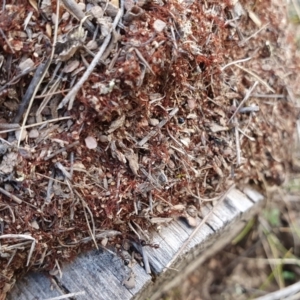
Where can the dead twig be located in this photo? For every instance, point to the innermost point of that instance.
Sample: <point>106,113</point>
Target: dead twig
<point>73,8</point>
<point>7,41</point>
<point>38,76</point>
<point>67,296</point>
<point>22,236</point>
<point>14,126</point>
<point>13,197</point>
<point>257,78</point>
<point>32,89</point>
<point>235,62</point>
<point>86,207</point>
<point>72,94</point>
<point>159,126</point>
<point>244,100</point>
<point>62,150</point>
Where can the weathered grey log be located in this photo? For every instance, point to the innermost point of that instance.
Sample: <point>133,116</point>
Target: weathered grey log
<point>100,274</point>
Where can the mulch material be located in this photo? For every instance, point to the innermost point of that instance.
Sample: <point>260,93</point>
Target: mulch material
<point>114,120</point>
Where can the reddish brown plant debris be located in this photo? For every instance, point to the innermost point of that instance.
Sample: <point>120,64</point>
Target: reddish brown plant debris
<point>160,107</point>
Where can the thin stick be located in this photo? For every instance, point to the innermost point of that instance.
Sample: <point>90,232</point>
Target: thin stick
<point>8,194</point>
<point>62,150</point>
<point>160,125</point>
<point>43,68</point>
<point>71,95</point>
<point>13,80</point>
<point>246,135</point>
<point>59,166</point>
<point>13,126</point>
<point>7,41</point>
<point>85,207</point>
<point>235,62</point>
<point>105,234</point>
<point>141,57</point>
<point>195,231</point>
<point>31,90</point>
<point>49,187</point>
<point>244,100</point>
<point>145,260</point>
<point>283,293</point>
<point>237,136</point>
<point>67,296</point>
<point>249,109</point>
<point>238,147</point>
<point>268,96</point>
<point>58,268</point>
<point>32,125</point>
<point>11,211</point>
<point>256,77</point>
<point>51,94</point>
<point>74,9</point>
<point>254,34</point>
<point>22,236</point>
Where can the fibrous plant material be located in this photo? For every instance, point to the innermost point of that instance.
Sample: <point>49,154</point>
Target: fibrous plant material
<point>157,109</point>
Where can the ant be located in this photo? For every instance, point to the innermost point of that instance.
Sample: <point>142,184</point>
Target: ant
<point>144,243</point>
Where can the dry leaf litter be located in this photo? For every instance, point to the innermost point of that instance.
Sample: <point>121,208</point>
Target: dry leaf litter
<point>117,117</point>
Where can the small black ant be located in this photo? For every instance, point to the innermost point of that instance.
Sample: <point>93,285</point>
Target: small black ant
<point>144,243</point>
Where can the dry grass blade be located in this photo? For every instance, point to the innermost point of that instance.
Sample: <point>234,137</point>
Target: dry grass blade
<point>13,197</point>
<point>40,75</point>
<point>85,207</point>
<point>257,78</point>
<point>75,10</point>
<point>235,62</point>
<point>244,100</point>
<point>160,125</point>
<point>81,293</point>
<point>284,293</point>
<point>72,94</point>
<point>22,236</point>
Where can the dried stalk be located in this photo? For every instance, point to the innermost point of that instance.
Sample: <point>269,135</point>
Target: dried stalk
<point>11,211</point>
<point>22,236</point>
<point>7,41</point>
<point>13,197</point>
<point>257,78</point>
<point>38,78</point>
<point>67,296</point>
<point>235,62</point>
<point>244,100</point>
<point>73,8</point>
<point>31,125</point>
<point>72,94</point>
<point>62,150</point>
<point>85,207</point>
<point>159,126</point>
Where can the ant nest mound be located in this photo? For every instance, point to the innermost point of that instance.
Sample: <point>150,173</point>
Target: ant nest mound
<point>116,117</point>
